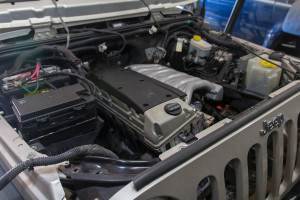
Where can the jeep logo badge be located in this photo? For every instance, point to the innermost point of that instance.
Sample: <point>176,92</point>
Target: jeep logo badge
<point>270,125</point>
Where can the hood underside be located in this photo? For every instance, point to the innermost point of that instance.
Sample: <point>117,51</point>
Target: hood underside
<point>28,14</point>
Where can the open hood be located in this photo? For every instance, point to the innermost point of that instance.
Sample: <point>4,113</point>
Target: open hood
<point>32,13</point>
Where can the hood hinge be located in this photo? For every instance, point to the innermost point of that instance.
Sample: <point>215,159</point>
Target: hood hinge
<point>42,28</point>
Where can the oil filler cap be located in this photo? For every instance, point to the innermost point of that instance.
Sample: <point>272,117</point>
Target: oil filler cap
<point>173,109</point>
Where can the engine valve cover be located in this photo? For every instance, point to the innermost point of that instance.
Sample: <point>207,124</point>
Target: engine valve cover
<point>152,109</point>
<point>180,80</point>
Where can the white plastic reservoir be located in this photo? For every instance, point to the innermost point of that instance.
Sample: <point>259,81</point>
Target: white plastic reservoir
<point>262,77</point>
<point>199,45</point>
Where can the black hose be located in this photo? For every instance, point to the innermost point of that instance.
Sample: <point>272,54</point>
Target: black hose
<point>180,25</point>
<point>45,161</point>
<point>85,49</point>
<point>175,36</point>
<point>99,39</point>
<point>40,52</point>
<point>213,39</point>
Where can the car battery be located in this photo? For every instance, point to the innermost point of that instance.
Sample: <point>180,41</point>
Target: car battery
<point>56,115</point>
<point>13,91</point>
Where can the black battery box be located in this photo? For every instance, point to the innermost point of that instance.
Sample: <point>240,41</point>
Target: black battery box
<point>56,115</point>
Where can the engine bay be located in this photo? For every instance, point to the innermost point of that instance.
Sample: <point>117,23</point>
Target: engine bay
<point>137,92</point>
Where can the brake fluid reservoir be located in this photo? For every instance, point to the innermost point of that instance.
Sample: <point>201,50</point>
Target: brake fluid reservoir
<point>262,76</point>
<point>201,47</point>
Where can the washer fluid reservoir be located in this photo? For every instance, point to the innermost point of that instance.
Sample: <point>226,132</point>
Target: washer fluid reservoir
<point>262,77</point>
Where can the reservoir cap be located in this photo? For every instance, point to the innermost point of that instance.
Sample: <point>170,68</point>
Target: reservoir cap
<point>267,64</point>
<point>197,37</point>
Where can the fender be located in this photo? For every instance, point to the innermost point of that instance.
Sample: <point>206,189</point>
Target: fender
<point>272,34</point>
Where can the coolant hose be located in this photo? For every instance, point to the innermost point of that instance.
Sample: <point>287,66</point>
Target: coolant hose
<point>84,150</point>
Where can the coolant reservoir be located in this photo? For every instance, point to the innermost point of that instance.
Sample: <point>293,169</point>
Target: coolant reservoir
<point>262,76</point>
<point>201,47</point>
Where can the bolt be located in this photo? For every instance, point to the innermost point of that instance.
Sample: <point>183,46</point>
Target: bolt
<point>30,155</point>
<point>34,147</point>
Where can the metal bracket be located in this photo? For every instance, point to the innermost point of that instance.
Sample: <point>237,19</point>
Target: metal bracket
<point>43,28</point>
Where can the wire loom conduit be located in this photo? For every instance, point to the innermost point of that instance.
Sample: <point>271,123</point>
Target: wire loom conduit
<point>84,150</point>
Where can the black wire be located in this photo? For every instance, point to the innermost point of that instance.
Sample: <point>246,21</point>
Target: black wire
<point>106,32</point>
<point>91,149</point>
<point>45,80</point>
<point>151,14</point>
<point>91,85</point>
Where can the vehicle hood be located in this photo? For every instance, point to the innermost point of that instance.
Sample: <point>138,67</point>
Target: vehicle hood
<point>26,14</point>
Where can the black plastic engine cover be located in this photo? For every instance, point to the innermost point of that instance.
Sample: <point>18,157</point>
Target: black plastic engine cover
<point>136,90</point>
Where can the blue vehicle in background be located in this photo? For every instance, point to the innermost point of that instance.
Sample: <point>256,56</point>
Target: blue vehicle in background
<point>271,23</point>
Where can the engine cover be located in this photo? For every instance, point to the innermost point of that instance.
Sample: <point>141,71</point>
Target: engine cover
<point>180,80</point>
<point>151,108</point>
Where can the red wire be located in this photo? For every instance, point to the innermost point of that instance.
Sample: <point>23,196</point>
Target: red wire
<point>36,72</point>
<point>26,73</point>
<point>37,64</point>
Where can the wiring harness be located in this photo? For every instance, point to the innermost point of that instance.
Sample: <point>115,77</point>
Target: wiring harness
<point>84,150</point>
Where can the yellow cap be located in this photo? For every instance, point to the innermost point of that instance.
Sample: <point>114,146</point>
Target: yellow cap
<point>267,64</point>
<point>197,37</point>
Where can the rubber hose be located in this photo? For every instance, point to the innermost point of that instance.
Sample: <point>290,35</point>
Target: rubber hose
<point>85,49</point>
<point>45,161</point>
<point>175,35</point>
<point>180,24</point>
<point>210,38</point>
